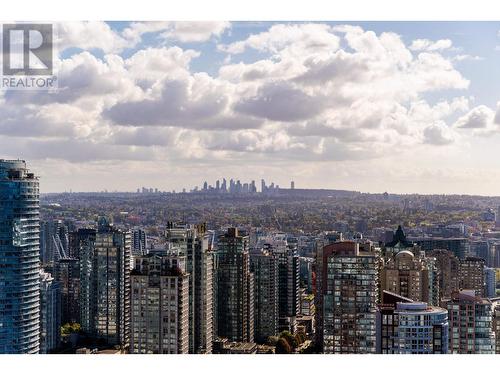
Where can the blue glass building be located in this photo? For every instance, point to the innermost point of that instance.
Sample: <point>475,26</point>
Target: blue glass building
<point>19,259</point>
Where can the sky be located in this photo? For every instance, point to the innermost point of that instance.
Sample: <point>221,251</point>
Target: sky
<point>402,107</point>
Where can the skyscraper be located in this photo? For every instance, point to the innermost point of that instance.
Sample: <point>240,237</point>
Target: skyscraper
<point>194,243</point>
<point>471,274</point>
<point>50,313</point>
<point>448,266</point>
<point>409,327</point>
<point>411,277</point>
<point>19,259</point>
<point>139,242</point>
<point>105,285</point>
<point>347,298</point>
<point>471,324</point>
<point>265,267</point>
<point>159,322</point>
<point>288,280</point>
<point>53,241</point>
<point>235,289</point>
<point>67,274</point>
<point>490,283</point>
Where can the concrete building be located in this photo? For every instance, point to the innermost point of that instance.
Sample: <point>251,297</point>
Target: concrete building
<point>67,274</point>
<point>490,283</point>
<point>448,266</point>
<point>265,268</point>
<point>195,243</point>
<point>50,313</point>
<point>159,322</point>
<point>235,288</point>
<point>470,319</point>
<point>54,241</point>
<point>288,280</point>
<point>347,297</point>
<point>459,246</point>
<point>411,277</point>
<point>471,274</point>
<point>19,259</point>
<point>105,285</point>
<point>408,327</point>
<point>139,242</point>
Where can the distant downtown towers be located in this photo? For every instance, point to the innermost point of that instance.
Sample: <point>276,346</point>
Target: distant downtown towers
<point>19,259</point>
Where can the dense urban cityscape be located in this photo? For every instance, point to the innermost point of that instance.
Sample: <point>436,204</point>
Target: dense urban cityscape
<point>245,268</point>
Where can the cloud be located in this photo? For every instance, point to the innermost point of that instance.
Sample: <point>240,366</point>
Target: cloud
<point>467,58</point>
<point>439,134</point>
<point>312,92</point>
<point>281,102</point>
<point>480,117</point>
<point>429,45</point>
<point>288,39</point>
<point>195,32</point>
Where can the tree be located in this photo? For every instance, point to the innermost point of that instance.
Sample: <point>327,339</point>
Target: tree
<point>292,341</point>
<point>282,347</point>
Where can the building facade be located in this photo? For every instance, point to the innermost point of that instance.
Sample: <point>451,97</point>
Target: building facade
<point>105,285</point>
<point>235,288</point>
<point>471,274</point>
<point>159,320</point>
<point>19,259</point>
<point>471,324</point>
<point>265,268</point>
<point>347,298</point>
<point>411,277</point>
<point>408,327</point>
<point>195,243</point>
<point>50,313</point>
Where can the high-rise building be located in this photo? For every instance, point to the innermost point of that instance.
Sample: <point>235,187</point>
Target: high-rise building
<point>458,246</point>
<point>159,322</point>
<point>490,283</point>
<point>292,185</point>
<point>194,242</point>
<point>67,274</point>
<point>83,238</point>
<point>105,285</point>
<point>265,268</point>
<point>288,280</point>
<point>496,322</point>
<point>408,327</point>
<point>54,241</point>
<point>50,313</point>
<point>411,277</point>
<point>139,242</point>
<point>448,266</point>
<point>235,288</point>
<point>471,324</point>
<point>347,297</point>
<point>19,259</point>
<point>482,249</point>
<point>471,274</point>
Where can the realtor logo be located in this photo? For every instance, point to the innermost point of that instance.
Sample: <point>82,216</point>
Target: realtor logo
<point>27,57</point>
<point>27,49</point>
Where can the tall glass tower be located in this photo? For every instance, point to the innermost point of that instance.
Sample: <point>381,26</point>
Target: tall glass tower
<point>19,259</point>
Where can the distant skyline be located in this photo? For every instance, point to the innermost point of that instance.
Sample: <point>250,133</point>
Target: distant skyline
<point>403,107</point>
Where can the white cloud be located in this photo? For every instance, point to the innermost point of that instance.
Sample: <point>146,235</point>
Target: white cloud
<point>480,117</point>
<point>195,32</point>
<point>429,45</point>
<point>439,134</point>
<point>312,93</point>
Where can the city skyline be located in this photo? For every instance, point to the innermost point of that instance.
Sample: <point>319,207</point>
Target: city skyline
<point>364,106</point>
